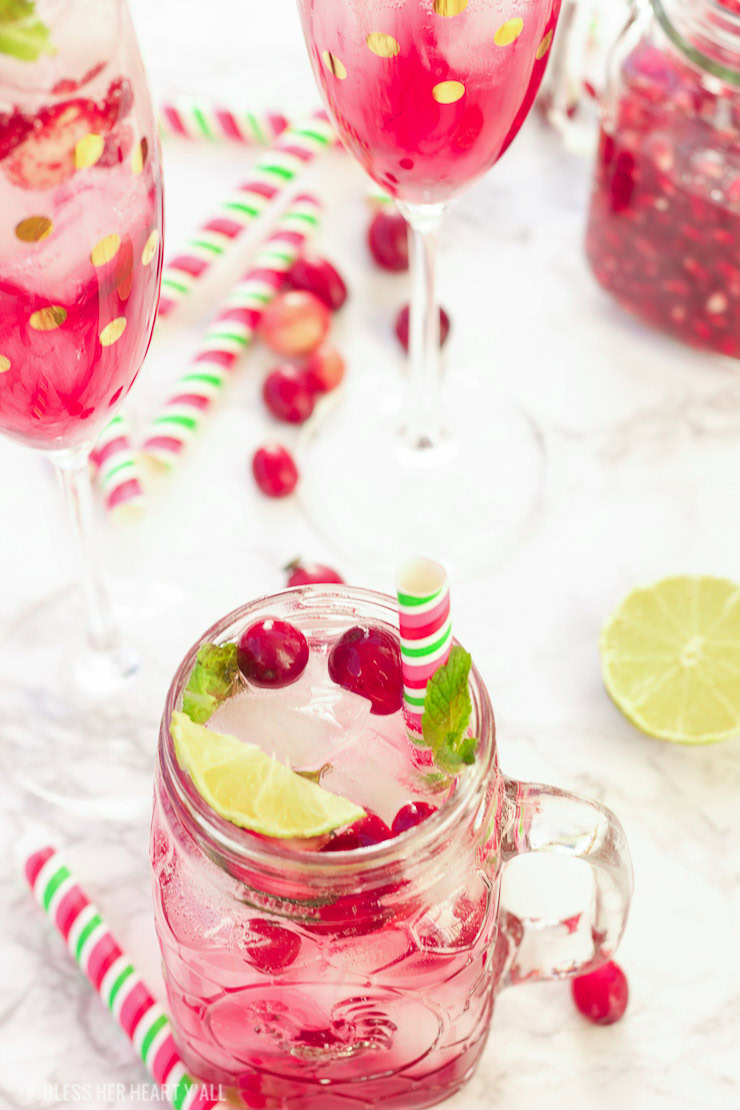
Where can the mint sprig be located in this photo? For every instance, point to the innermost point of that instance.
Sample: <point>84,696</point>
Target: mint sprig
<point>446,716</point>
<point>22,35</point>
<point>211,681</point>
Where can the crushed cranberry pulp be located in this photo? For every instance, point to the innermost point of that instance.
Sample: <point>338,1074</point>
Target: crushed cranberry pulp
<point>664,228</point>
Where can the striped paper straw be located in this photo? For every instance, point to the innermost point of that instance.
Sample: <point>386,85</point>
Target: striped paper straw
<point>272,174</point>
<point>117,469</point>
<point>182,415</point>
<point>425,631</point>
<point>189,118</point>
<point>98,955</point>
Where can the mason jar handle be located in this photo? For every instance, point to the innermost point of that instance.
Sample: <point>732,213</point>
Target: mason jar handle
<point>543,819</point>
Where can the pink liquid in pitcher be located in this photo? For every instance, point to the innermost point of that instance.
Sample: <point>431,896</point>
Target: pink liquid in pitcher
<point>428,101</point>
<point>80,240</point>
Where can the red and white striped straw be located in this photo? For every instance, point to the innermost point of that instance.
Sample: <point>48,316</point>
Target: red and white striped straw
<point>425,631</point>
<point>117,469</point>
<point>182,415</point>
<point>190,118</point>
<point>273,172</point>
<point>109,970</point>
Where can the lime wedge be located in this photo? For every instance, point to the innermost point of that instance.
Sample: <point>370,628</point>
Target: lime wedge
<point>670,657</point>
<point>245,786</point>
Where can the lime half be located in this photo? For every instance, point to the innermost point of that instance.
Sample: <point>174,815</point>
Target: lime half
<point>245,786</point>
<point>670,657</point>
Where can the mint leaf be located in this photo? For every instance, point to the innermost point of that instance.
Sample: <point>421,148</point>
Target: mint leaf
<point>211,681</point>
<point>22,35</point>
<point>447,709</point>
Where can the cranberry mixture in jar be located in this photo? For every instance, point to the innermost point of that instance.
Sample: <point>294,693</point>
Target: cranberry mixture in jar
<point>664,227</point>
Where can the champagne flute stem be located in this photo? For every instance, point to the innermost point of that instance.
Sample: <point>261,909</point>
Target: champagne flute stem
<point>73,472</point>
<point>423,429</point>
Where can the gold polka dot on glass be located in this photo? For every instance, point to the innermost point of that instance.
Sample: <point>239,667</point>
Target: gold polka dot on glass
<point>544,46</point>
<point>113,331</point>
<point>385,46</point>
<point>49,318</point>
<point>447,92</point>
<point>88,150</point>
<point>33,229</point>
<point>139,156</point>
<point>105,250</point>
<point>334,65</point>
<point>4,364</point>
<point>150,248</point>
<point>509,32</point>
<point>449,7</point>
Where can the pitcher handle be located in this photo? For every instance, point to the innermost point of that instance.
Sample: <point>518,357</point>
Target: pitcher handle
<point>543,819</point>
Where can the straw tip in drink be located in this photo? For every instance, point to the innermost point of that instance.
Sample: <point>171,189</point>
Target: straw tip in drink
<point>420,577</point>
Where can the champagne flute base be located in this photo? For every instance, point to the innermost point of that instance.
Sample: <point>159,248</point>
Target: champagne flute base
<point>468,499</point>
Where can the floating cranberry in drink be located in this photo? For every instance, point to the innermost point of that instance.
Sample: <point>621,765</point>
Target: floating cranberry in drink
<point>367,661</point>
<point>664,226</point>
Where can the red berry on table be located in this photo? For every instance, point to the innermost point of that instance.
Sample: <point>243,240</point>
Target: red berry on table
<point>402,327</point>
<point>324,370</point>
<point>274,470</point>
<point>367,661</point>
<point>304,574</point>
<point>413,813</point>
<point>272,653</point>
<point>368,830</point>
<point>287,394</point>
<point>294,323</point>
<point>388,240</point>
<point>318,276</point>
<point>602,995</point>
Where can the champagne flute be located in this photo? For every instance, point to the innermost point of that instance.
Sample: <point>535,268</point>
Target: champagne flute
<point>427,95</point>
<point>81,257</point>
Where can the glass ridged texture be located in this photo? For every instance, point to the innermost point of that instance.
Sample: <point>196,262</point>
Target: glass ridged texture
<point>301,979</point>
<point>664,227</point>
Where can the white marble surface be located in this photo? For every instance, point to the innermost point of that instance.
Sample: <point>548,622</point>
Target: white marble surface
<point>643,455</point>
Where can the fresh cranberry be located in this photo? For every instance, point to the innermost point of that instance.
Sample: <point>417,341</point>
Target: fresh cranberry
<point>303,574</point>
<point>119,100</point>
<point>402,327</point>
<point>117,146</point>
<point>602,995</point>
<point>324,370</point>
<point>319,277</point>
<point>388,240</point>
<point>294,323</point>
<point>287,396</point>
<point>274,470</point>
<point>413,813</point>
<point>273,947</point>
<point>272,653</point>
<point>367,661</point>
<point>46,155</point>
<point>365,832</point>
<point>14,127</point>
<point>67,85</point>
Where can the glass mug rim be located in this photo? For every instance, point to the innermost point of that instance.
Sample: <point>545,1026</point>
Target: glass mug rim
<point>217,834</point>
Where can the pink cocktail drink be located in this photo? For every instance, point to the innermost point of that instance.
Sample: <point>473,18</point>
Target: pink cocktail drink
<point>80,240</point>
<point>358,967</point>
<point>428,95</point>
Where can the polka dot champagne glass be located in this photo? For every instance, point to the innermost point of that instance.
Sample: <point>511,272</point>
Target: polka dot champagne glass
<point>80,264</point>
<point>427,95</point>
